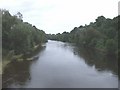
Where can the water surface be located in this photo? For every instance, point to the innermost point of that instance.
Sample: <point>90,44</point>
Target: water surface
<point>63,65</point>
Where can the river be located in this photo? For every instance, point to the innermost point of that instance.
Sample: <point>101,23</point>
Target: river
<point>62,65</point>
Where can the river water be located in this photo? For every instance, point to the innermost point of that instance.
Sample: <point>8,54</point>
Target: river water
<point>62,65</point>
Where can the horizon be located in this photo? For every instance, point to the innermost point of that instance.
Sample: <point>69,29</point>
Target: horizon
<point>58,16</point>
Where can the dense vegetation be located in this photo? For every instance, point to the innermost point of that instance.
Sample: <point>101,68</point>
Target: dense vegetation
<point>101,34</point>
<point>18,36</point>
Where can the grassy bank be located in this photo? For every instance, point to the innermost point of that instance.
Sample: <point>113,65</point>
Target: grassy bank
<point>10,56</point>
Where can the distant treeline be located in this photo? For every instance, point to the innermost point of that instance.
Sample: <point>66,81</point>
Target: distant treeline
<point>18,36</point>
<point>21,37</point>
<point>101,34</point>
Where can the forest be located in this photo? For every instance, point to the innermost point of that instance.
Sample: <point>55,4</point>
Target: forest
<point>19,38</point>
<point>86,54</point>
<point>22,37</point>
<point>101,35</point>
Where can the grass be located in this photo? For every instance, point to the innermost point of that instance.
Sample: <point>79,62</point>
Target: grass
<point>10,56</point>
<point>6,60</point>
<point>4,64</point>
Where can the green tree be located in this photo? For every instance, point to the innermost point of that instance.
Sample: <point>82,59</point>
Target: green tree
<point>111,46</point>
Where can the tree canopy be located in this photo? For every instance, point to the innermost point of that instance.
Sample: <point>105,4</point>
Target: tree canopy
<point>19,36</point>
<point>101,34</point>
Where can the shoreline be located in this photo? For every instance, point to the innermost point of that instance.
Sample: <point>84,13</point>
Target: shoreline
<point>21,57</point>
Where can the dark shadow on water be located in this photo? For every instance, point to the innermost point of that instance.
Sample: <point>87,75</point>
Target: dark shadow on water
<point>99,60</point>
<point>93,57</point>
<point>18,72</point>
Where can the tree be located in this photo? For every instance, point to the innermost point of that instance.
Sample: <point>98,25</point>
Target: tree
<point>111,46</point>
<point>18,35</point>
<point>101,34</point>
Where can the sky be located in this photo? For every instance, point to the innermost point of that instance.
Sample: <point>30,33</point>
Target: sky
<point>57,16</point>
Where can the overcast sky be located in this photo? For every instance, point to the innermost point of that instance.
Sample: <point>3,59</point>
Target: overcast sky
<point>57,16</point>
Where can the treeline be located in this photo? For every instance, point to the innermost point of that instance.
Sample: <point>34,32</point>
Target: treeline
<point>101,34</point>
<point>18,36</point>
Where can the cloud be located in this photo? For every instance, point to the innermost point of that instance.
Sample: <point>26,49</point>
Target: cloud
<point>55,16</point>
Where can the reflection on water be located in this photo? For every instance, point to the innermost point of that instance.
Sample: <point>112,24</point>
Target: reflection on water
<point>99,60</point>
<point>18,72</point>
<point>63,65</point>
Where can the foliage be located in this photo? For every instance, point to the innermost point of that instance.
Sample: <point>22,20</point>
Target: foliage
<point>101,34</point>
<point>19,36</point>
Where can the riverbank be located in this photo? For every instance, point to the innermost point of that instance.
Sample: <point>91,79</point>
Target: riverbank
<point>21,57</point>
<point>62,65</point>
